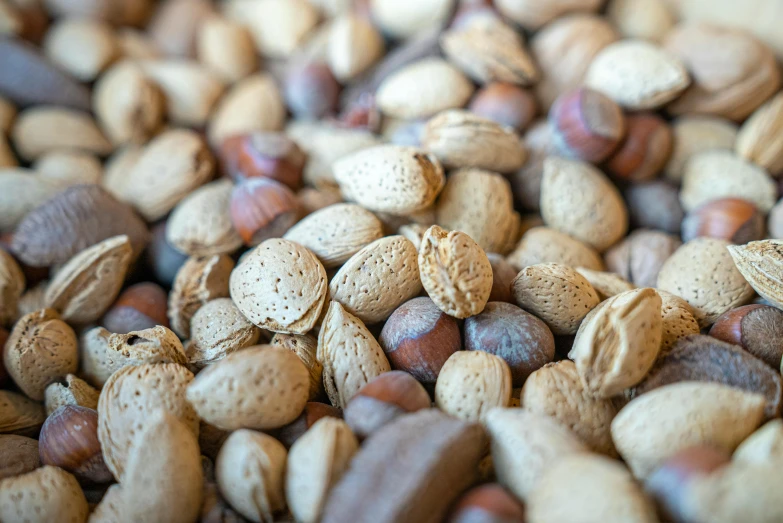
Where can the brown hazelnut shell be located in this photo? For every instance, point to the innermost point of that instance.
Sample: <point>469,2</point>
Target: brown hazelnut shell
<point>731,219</point>
<point>489,503</point>
<point>645,149</point>
<point>261,154</point>
<point>139,307</point>
<point>756,328</point>
<point>262,208</point>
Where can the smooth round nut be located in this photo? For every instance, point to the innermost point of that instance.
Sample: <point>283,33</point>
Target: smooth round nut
<point>471,384</point>
<point>655,205</point>
<point>263,154</point>
<point>261,209</point>
<point>311,91</point>
<point>489,502</point>
<point>645,149</point>
<point>506,104</point>
<point>756,328</point>
<point>731,219</point>
<point>140,306</point>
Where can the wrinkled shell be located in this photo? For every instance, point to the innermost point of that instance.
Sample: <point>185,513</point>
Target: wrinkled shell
<point>217,330</point>
<point>548,245</point>
<point>12,285</point>
<point>45,494</point>
<point>42,129</point>
<point>606,284</point>
<point>759,138</point>
<point>306,348</point>
<point>198,281</point>
<point>471,383</point>
<point>20,415</point>
<point>678,321</point>
<point>760,263</point>
<point>72,391</point>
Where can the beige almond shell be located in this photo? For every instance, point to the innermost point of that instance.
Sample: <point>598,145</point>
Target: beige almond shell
<point>378,279</point>
<point>261,387</point>
<point>759,139</point>
<point>305,347</point>
<point>71,391</point>
<point>524,446</point>
<point>547,245</point>
<point>644,19</point>
<point>83,47</point>
<point>337,232</point>
<point>763,446</point>
<point>21,191</point>
<point>693,134</point>
<point>315,463</point>
<point>45,494</point>
<point>404,19</point>
<point>703,273</point>
<point>555,293</point>
<point>278,28</point>
<point>678,321</point>
<point>760,264</point>
<point>533,14</point>
<point>556,390</point>
<point>218,329</point>
<point>198,281</point>
<point>109,510</point>
<point>19,414</point>
<point>390,178</point>
<point>606,284</point>
<point>12,286</point>
<point>250,470</point>
<point>354,45</point>
<point>662,422</point>
<point>471,384</point>
<point>350,355</point>
<point>86,286</point>
<point>127,401</point>
<point>40,349</point>
<point>280,286</point>
<point>68,168</point>
<point>226,47</point>
<point>579,200</point>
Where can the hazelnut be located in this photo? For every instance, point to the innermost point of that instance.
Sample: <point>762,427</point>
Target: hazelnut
<point>383,399</point>
<point>311,91</point>
<point>645,150</point>
<point>731,219</point>
<point>18,455</point>
<point>489,503</point>
<point>586,125</point>
<point>506,104</point>
<point>164,260</point>
<point>141,306</point>
<point>756,328</point>
<point>261,154</point>
<point>418,338</point>
<point>312,412</point>
<point>503,273</point>
<point>69,440</point>
<point>655,205</point>
<point>261,209</point>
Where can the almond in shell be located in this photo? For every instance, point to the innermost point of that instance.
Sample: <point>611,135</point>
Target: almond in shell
<point>760,263</point>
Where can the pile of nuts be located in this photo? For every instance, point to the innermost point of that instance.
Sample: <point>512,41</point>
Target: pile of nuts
<point>384,261</point>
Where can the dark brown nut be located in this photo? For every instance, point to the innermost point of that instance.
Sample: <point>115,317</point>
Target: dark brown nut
<point>18,455</point>
<point>655,205</point>
<point>140,306</point>
<point>262,209</point>
<point>311,91</point>
<point>503,273</point>
<point>65,225</point>
<point>639,257</point>
<point>489,503</point>
<point>384,399</point>
<point>703,358</point>
<point>312,412</point>
<point>645,150</point>
<point>521,339</point>
<point>586,125</point>
<point>20,415</point>
<point>198,281</point>
<point>756,328</point>
<point>267,155</point>
<point>418,338</point>
<point>69,440</point>
<point>419,463</point>
<point>731,219</point>
<point>164,260</point>
<point>506,104</point>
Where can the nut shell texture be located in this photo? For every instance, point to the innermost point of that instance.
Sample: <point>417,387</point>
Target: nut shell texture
<point>217,330</point>
<point>760,263</point>
<point>45,494</point>
<point>198,281</point>
<point>548,245</point>
<point>471,383</point>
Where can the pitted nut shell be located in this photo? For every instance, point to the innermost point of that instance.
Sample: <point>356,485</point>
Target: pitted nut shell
<point>45,494</point>
<point>306,348</point>
<point>760,262</point>
<point>678,321</point>
<point>70,391</point>
<point>217,330</point>
<point>19,414</point>
<point>471,383</point>
<point>548,245</point>
<point>198,281</point>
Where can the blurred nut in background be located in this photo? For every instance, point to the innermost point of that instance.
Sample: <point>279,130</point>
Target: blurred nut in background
<point>730,219</point>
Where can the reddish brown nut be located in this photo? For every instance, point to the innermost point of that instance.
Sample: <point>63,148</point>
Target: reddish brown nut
<point>361,113</point>
<point>141,306</point>
<point>312,412</point>
<point>418,338</point>
<point>311,91</point>
<point>383,399</point>
<point>586,125</point>
<point>731,219</point>
<point>164,260</point>
<point>506,104</point>
<point>268,155</point>
<point>756,328</point>
<point>503,273</point>
<point>261,209</point>
<point>69,440</point>
<point>655,205</point>
<point>489,503</point>
<point>645,150</point>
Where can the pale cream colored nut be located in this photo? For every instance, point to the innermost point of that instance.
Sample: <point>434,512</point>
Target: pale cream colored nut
<point>218,329</point>
<point>21,191</point>
<point>471,384</point>
<point>693,134</point>
<point>422,89</point>
<point>190,88</point>
<point>226,47</point>
<point>280,286</point>
<point>717,174</point>
<point>637,74</point>
<point>252,104</point>
<point>703,273</point>
<point>606,284</point>
<point>306,347</point>
<point>278,28</point>
<point>127,401</point>
<point>589,488</point>
<point>66,168</point>
<point>250,470</point>
<point>556,390</point>
<point>33,299</point>
<point>349,353</point>
<point>40,349</point>
<point>42,129</point>
<point>86,286</point>
<point>378,279</point>
<point>136,45</point>
<point>337,232</point>
<point>555,293</point>
<point>7,157</point>
<point>459,138</point>
<point>532,14</point>
<point>19,414</point>
<point>109,510</point>
<point>616,347</point>
<point>548,245</point>
<point>763,446</point>
<point>198,281</point>
<point>760,263</point>
<point>128,105</point>
<point>660,423</point>
<point>759,140</point>
<point>678,321</point>
<point>81,46</point>
<point>524,446</point>
<point>354,45</point>
<point>200,224</point>
<point>406,18</point>
<point>45,494</point>
<point>315,463</point>
<point>642,19</point>
<point>261,387</point>
<point>70,391</point>
<point>455,272</point>
<point>390,178</point>
<point>12,285</point>
<point>117,167</point>
<point>414,232</point>
<point>579,200</point>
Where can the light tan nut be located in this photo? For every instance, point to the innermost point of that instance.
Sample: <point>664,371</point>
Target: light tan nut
<point>760,263</point>
<point>693,134</point>
<point>19,414</point>
<point>278,28</point>
<point>40,349</point>
<point>315,463</point>
<point>45,494</point>
<point>471,384</point>
<point>406,18</point>
<point>763,446</point>
<point>703,273</point>
<point>18,455</point>
<point>306,347</point>
<point>250,470</point>
<point>21,191</point>
<point>7,157</point>
<point>642,19</point>
<point>70,391</point>
<point>759,139</point>
<point>532,14</point>
<point>606,284</point>
<point>110,508</point>
<point>678,321</point>
<point>118,165</point>
<point>81,46</point>
<point>280,286</point>
<point>198,281</point>
<point>548,245</point>
<point>217,330</point>
<point>349,353</point>
<point>555,293</point>
<point>261,387</point>
<point>658,424</point>
<point>579,200</point>
<point>354,45</point>
<point>226,47</point>
<point>66,168</point>
<point>12,285</point>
